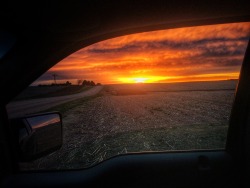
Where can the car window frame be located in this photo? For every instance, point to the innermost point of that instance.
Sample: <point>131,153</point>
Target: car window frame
<point>236,135</point>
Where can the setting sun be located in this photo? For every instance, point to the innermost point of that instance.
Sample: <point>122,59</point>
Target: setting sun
<point>140,80</point>
<point>147,79</point>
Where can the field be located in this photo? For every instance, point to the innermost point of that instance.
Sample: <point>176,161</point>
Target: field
<point>142,118</point>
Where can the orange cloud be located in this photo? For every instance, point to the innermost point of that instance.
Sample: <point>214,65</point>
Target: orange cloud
<point>213,52</point>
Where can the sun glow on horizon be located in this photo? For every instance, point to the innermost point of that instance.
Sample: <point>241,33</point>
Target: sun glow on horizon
<point>146,79</point>
<point>175,79</point>
<point>140,80</point>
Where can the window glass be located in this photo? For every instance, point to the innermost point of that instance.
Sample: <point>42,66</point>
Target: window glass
<point>155,91</point>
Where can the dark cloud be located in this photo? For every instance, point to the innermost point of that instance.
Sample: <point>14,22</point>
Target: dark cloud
<point>123,49</point>
<point>171,45</point>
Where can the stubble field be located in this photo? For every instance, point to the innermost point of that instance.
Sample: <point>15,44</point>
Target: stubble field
<point>143,118</point>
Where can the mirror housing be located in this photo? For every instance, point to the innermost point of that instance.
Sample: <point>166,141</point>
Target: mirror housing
<point>37,135</point>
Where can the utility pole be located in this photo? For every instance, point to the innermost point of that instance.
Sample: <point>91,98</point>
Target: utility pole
<point>54,76</point>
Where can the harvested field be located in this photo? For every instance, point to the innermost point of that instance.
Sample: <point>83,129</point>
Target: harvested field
<point>112,124</point>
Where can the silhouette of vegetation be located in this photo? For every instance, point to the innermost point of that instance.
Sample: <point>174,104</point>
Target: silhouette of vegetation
<point>88,83</point>
<point>79,82</point>
<point>67,83</point>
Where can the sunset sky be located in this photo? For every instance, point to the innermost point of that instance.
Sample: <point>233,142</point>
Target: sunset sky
<point>175,55</point>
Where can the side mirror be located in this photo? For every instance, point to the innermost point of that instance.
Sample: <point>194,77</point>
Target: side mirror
<point>37,135</point>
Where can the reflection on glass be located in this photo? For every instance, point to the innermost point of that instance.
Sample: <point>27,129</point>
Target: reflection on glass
<point>44,120</point>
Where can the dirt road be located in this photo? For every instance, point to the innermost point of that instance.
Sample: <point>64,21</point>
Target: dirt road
<point>20,108</point>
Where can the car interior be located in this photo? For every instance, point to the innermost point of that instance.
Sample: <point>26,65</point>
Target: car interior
<point>34,36</point>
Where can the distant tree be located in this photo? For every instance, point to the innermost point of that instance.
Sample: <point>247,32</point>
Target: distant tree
<point>79,82</point>
<point>88,83</point>
<point>68,83</point>
<point>98,84</point>
<point>84,83</point>
<point>92,83</point>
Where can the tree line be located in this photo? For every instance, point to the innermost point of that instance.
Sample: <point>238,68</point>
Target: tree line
<point>88,83</point>
<point>79,83</point>
<point>56,84</point>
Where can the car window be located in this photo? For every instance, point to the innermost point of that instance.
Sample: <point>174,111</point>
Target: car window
<point>155,91</point>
